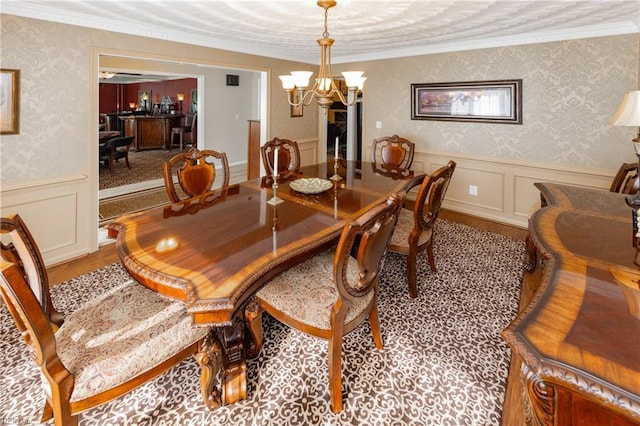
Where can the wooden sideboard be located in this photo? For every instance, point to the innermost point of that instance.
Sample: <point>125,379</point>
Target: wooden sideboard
<point>575,345</point>
<point>150,131</point>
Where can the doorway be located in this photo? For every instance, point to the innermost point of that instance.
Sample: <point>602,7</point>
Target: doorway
<point>215,130</point>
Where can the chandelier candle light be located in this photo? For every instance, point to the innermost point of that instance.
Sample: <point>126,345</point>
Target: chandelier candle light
<point>628,114</point>
<point>325,86</point>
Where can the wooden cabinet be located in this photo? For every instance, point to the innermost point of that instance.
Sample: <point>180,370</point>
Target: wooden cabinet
<point>150,132</point>
<point>253,152</point>
<point>575,344</point>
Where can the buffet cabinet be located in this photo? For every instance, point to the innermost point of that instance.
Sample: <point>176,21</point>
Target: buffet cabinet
<point>150,131</point>
<point>576,340</point>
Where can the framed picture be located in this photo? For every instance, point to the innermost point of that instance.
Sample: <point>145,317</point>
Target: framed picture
<point>496,101</point>
<point>9,102</point>
<point>144,100</point>
<point>296,111</point>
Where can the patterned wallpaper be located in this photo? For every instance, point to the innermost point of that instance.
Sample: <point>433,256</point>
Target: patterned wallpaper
<point>56,79</point>
<point>570,91</point>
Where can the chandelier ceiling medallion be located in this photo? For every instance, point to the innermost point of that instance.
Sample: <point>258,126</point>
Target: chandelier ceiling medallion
<point>324,88</point>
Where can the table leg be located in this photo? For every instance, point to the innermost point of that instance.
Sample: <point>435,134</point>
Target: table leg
<point>224,370</point>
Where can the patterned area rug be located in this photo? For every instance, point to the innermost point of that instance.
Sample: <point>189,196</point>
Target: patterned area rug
<point>443,362</point>
<point>145,165</point>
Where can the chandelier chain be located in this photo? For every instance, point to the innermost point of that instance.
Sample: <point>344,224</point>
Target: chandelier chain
<point>325,34</point>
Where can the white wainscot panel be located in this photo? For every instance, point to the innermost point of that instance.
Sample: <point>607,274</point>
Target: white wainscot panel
<point>52,212</point>
<point>308,151</point>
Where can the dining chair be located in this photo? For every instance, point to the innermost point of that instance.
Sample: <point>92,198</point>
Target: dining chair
<point>197,172</point>
<point>626,179</point>
<point>187,134</point>
<point>107,347</point>
<point>115,149</point>
<point>288,155</point>
<point>332,293</point>
<point>393,151</point>
<point>415,228</point>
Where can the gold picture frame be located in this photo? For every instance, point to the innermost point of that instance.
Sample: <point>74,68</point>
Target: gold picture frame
<point>9,101</point>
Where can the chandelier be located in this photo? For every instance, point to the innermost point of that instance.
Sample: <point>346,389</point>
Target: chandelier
<point>324,88</point>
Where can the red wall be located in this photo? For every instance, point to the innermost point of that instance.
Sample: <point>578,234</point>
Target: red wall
<point>129,93</point>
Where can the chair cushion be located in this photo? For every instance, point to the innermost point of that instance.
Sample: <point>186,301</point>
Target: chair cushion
<point>120,335</point>
<point>306,292</point>
<point>403,229</point>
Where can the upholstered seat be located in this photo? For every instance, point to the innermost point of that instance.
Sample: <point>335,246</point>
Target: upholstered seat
<point>289,292</point>
<point>104,349</point>
<point>197,172</point>
<point>125,332</point>
<point>414,230</point>
<point>331,294</point>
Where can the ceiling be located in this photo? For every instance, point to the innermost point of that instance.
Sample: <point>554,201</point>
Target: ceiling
<point>363,30</point>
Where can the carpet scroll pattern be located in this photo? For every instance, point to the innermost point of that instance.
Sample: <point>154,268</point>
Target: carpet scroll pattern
<point>444,362</point>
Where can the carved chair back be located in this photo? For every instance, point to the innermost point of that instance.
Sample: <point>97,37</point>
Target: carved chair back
<point>393,151</point>
<point>367,238</point>
<point>431,195</point>
<point>196,172</point>
<point>626,180</point>
<point>288,155</point>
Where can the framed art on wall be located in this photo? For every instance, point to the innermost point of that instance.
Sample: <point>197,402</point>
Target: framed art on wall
<point>9,102</point>
<point>495,101</point>
<point>144,100</point>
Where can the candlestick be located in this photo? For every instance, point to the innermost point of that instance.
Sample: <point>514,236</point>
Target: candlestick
<point>275,162</point>
<point>274,201</point>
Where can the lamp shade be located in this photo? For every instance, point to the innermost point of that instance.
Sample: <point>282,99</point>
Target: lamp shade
<point>628,113</point>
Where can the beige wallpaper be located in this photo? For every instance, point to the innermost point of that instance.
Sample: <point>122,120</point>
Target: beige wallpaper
<point>56,82</point>
<point>570,90</point>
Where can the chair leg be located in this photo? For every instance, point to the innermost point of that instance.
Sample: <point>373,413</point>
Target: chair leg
<point>375,326</point>
<point>126,159</point>
<point>335,371</point>
<point>47,412</point>
<point>412,273</point>
<point>112,160</point>
<point>432,259</point>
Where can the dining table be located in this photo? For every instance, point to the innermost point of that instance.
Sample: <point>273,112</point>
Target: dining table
<point>215,251</point>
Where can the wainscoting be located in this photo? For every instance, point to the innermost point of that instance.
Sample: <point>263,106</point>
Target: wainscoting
<point>61,216</point>
<point>58,213</point>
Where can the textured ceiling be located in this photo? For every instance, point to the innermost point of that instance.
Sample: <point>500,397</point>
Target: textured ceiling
<point>363,30</point>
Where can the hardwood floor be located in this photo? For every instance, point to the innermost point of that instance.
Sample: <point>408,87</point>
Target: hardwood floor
<point>107,254</point>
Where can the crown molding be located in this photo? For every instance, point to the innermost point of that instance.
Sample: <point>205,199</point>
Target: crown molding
<point>43,12</point>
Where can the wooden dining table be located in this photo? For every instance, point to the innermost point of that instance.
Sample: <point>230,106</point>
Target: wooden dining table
<point>215,251</point>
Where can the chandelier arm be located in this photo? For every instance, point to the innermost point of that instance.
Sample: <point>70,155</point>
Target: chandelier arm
<point>307,98</point>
